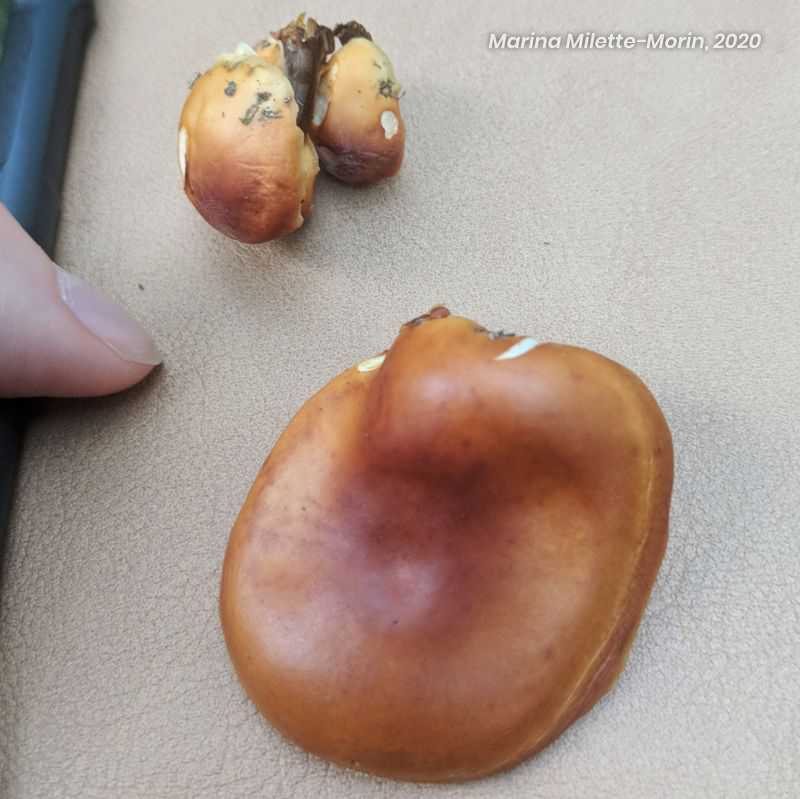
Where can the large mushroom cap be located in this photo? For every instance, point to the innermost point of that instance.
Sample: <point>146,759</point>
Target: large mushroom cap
<point>444,559</point>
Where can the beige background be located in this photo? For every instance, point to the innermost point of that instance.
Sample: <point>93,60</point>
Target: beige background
<point>643,204</point>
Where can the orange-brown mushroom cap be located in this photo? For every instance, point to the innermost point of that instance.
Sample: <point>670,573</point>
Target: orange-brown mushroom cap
<point>357,125</point>
<point>444,559</point>
<point>247,166</point>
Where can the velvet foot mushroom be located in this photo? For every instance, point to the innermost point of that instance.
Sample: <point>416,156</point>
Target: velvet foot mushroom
<point>444,559</point>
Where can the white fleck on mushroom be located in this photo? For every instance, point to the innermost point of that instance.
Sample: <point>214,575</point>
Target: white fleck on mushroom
<point>321,100</point>
<point>241,51</point>
<point>182,138</point>
<point>371,363</point>
<point>320,108</point>
<point>518,348</point>
<point>389,123</point>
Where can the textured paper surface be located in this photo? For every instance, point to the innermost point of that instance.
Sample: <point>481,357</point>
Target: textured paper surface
<point>643,204</point>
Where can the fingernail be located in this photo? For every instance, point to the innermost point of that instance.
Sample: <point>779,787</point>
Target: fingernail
<point>110,322</point>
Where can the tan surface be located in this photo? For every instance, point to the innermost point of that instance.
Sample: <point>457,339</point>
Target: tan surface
<point>642,204</point>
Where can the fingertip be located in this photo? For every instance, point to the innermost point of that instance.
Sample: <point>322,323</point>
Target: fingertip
<point>60,336</point>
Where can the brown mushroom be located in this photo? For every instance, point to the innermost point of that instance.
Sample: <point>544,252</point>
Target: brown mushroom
<point>247,166</point>
<point>356,124</point>
<point>444,560</point>
<point>305,46</point>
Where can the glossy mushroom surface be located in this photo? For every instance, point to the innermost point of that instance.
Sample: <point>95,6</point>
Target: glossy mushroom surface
<point>444,559</point>
<point>356,124</point>
<point>247,167</point>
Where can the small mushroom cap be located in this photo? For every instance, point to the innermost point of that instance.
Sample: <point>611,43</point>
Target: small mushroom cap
<point>357,125</point>
<point>247,167</point>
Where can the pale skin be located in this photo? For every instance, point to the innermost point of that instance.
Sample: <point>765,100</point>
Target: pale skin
<point>59,336</point>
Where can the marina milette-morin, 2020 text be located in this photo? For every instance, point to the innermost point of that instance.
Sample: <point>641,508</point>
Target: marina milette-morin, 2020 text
<point>593,41</point>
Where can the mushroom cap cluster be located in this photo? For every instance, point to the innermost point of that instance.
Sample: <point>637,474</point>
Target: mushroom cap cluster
<point>253,124</point>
